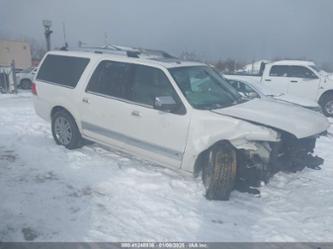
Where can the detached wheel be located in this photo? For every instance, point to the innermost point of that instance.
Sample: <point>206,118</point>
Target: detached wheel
<point>65,131</point>
<point>219,173</point>
<point>26,84</point>
<point>326,103</point>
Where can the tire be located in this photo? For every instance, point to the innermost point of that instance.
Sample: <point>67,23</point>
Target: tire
<point>219,173</point>
<point>326,104</point>
<point>26,84</point>
<point>65,131</point>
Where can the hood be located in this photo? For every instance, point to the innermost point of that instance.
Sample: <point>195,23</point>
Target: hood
<point>283,116</point>
<point>297,100</point>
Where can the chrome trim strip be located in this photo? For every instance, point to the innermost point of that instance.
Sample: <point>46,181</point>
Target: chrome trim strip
<point>133,141</point>
<point>56,84</point>
<point>120,99</point>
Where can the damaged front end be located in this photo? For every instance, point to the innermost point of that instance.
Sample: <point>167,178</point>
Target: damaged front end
<point>260,161</point>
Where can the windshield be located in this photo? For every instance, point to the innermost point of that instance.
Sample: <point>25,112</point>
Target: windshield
<point>315,68</point>
<point>319,70</point>
<point>204,88</point>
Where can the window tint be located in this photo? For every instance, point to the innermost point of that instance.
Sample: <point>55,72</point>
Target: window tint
<point>63,70</point>
<point>149,83</point>
<point>137,83</point>
<point>301,72</point>
<point>279,71</point>
<point>111,78</point>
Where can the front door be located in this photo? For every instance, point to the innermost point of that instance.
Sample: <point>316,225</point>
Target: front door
<point>277,78</point>
<point>118,109</point>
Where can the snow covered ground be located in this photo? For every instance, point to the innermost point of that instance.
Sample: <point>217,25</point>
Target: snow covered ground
<point>48,193</point>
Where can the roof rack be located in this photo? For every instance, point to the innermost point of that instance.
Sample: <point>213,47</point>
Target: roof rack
<point>130,52</point>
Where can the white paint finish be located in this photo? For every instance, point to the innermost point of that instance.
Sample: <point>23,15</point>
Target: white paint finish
<point>297,100</point>
<point>287,117</point>
<point>265,91</point>
<point>192,133</point>
<point>306,88</point>
<point>98,195</point>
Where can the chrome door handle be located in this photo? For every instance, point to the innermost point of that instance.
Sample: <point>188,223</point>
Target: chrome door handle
<point>85,100</point>
<point>293,81</point>
<point>136,113</point>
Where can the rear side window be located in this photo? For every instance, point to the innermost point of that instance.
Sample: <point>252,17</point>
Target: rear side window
<point>301,72</point>
<point>112,79</point>
<point>62,70</point>
<point>279,71</point>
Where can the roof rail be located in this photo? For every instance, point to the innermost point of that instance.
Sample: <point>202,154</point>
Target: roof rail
<point>130,52</point>
<point>133,54</point>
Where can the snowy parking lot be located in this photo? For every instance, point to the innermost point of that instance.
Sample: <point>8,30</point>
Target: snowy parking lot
<point>49,193</point>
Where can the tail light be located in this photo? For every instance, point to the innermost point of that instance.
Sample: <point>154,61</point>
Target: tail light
<point>34,89</point>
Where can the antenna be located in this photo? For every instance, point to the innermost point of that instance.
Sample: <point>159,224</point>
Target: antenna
<point>64,32</point>
<point>106,39</point>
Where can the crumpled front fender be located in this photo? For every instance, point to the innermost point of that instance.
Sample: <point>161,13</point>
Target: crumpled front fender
<point>207,132</point>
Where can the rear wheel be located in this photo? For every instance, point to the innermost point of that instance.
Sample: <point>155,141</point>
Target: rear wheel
<point>65,131</point>
<point>326,103</point>
<point>219,173</point>
<point>26,84</point>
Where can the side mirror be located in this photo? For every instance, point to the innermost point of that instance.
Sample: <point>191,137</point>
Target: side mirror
<point>165,103</point>
<point>252,95</point>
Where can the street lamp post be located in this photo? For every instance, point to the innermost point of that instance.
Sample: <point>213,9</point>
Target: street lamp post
<point>47,26</point>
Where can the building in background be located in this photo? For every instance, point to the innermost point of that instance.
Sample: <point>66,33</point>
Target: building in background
<point>18,51</point>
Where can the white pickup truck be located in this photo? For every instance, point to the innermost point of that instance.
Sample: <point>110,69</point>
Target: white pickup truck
<point>299,78</point>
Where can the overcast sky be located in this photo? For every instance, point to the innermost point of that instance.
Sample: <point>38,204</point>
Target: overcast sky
<point>241,29</point>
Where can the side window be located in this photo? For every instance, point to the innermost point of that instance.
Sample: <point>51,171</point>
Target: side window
<point>148,83</point>
<point>62,70</point>
<point>112,79</point>
<point>301,72</point>
<point>279,71</point>
<point>137,83</point>
<point>243,89</point>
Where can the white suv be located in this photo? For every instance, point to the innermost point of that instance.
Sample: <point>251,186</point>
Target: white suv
<point>182,115</point>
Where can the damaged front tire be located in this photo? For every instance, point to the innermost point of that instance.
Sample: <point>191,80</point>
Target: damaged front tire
<point>219,171</point>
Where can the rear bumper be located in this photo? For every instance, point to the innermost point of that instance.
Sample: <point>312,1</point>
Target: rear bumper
<point>42,108</point>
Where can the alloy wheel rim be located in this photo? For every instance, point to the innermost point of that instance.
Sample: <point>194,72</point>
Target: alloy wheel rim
<point>63,130</point>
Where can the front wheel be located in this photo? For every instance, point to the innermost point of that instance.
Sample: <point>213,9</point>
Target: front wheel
<point>327,104</point>
<point>65,131</point>
<point>220,171</point>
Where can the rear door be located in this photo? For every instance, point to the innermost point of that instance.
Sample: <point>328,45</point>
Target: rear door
<point>303,82</point>
<point>103,109</point>
<point>118,109</point>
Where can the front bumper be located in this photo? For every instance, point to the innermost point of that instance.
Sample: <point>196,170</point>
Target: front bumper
<point>289,154</point>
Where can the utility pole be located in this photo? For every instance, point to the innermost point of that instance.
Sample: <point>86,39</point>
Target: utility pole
<point>65,47</point>
<point>47,32</point>
<point>64,31</point>
<point>13,86</point>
